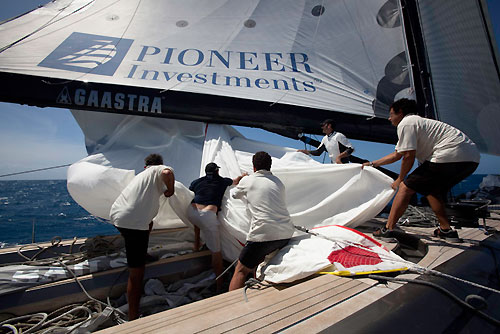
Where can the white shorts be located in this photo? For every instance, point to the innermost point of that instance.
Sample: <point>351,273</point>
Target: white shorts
<point>208,223</point>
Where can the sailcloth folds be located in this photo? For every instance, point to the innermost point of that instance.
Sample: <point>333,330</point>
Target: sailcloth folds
<point>316,194</point>
<point>331,249</point>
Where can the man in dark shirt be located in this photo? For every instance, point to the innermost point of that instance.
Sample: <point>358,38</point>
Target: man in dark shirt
<point>208,193</point>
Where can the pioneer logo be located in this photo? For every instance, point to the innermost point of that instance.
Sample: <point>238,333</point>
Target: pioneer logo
<point>93,54</point>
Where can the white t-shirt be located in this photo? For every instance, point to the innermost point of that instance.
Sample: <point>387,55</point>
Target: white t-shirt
<point>435,141</point>
<point>265,197</point>
<point>139,202</point>
<point>331,144</point>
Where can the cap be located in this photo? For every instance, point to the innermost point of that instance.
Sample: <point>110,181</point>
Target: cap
<point>211,167</point>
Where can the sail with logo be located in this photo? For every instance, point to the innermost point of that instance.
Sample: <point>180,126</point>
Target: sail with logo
<point>276,65</point>
<point>279,66</point>
<point>167,77</point>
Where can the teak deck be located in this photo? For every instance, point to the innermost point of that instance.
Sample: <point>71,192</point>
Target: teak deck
<point>310,306</point>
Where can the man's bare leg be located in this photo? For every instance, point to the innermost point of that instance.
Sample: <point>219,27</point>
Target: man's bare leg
<point>399,205</point>
<point>218,268</point>
<point>437,205</point>
<point>239,276</point>
<point>134,291</point>
<point>197,242</point>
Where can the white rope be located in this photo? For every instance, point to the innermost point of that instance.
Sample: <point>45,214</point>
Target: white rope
<point>230,266</point>
<point>438,273</point>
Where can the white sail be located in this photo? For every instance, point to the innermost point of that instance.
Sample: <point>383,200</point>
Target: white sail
<point>298,52</point>
<point>316,194</point>
<point>465,68</point>
<point>279,65</point>
<point>132,57</point>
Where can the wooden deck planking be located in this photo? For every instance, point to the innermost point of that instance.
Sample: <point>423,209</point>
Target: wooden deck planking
<point>270,310</point>
<point>224,301</point>
<point>310,306</point>
<point>338,312</point>
<point>191,311</point>
<point>286,307</point>
<point>439,252</point>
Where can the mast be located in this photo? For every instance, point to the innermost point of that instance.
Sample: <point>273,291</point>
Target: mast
<point>418,59</point>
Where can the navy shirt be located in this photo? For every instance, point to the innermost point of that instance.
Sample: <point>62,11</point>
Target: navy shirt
<point>209,189</point>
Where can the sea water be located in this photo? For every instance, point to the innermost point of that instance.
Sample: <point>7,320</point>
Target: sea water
<point>47,206</point>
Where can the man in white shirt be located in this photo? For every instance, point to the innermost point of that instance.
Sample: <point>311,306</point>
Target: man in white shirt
<point>270,224</point>
<point>337,145</point>
<point>132,213</point>
<point>446,155</point>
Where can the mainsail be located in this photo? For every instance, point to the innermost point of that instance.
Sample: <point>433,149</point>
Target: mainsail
<point>279,65</point>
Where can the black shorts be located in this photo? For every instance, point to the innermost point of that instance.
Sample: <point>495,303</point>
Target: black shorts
<point>437,179</point>
<point>136,246</point>
<point>255,252</point>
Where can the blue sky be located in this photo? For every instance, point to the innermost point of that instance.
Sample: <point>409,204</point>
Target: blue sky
<point>34,138</point>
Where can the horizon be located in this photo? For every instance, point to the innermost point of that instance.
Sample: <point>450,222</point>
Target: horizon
<point>35,180</point>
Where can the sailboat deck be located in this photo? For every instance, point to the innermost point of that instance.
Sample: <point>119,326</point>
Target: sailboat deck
<point>311,305</point>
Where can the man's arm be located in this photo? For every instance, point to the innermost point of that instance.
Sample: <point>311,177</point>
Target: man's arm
<point>345,151</point>
<point>316,152</point>
<point>238,179</point>
<point>406,164</point>
<point>388,159</point>
<point>168,178</point>
<point>241,190</point>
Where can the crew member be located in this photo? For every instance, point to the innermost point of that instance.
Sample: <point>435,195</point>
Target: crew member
<point>270,224</point>
<point>337,145</point>
<point>208,192</point>
<point>446,155</point>
<point>132,213</point>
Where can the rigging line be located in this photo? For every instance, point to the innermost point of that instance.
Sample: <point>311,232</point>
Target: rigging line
<point>230,266</point>
<point>34,31</point>
<point>18,16</point>
<point>251,282</point>
<point>85,291</point>
<point>45,25</point>
<point>35,170</point>
<point>441,289</point>
<point>60,320</point>
<point>440,274</point>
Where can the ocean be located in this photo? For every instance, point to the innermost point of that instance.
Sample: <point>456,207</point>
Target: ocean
<point>47,205</point>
